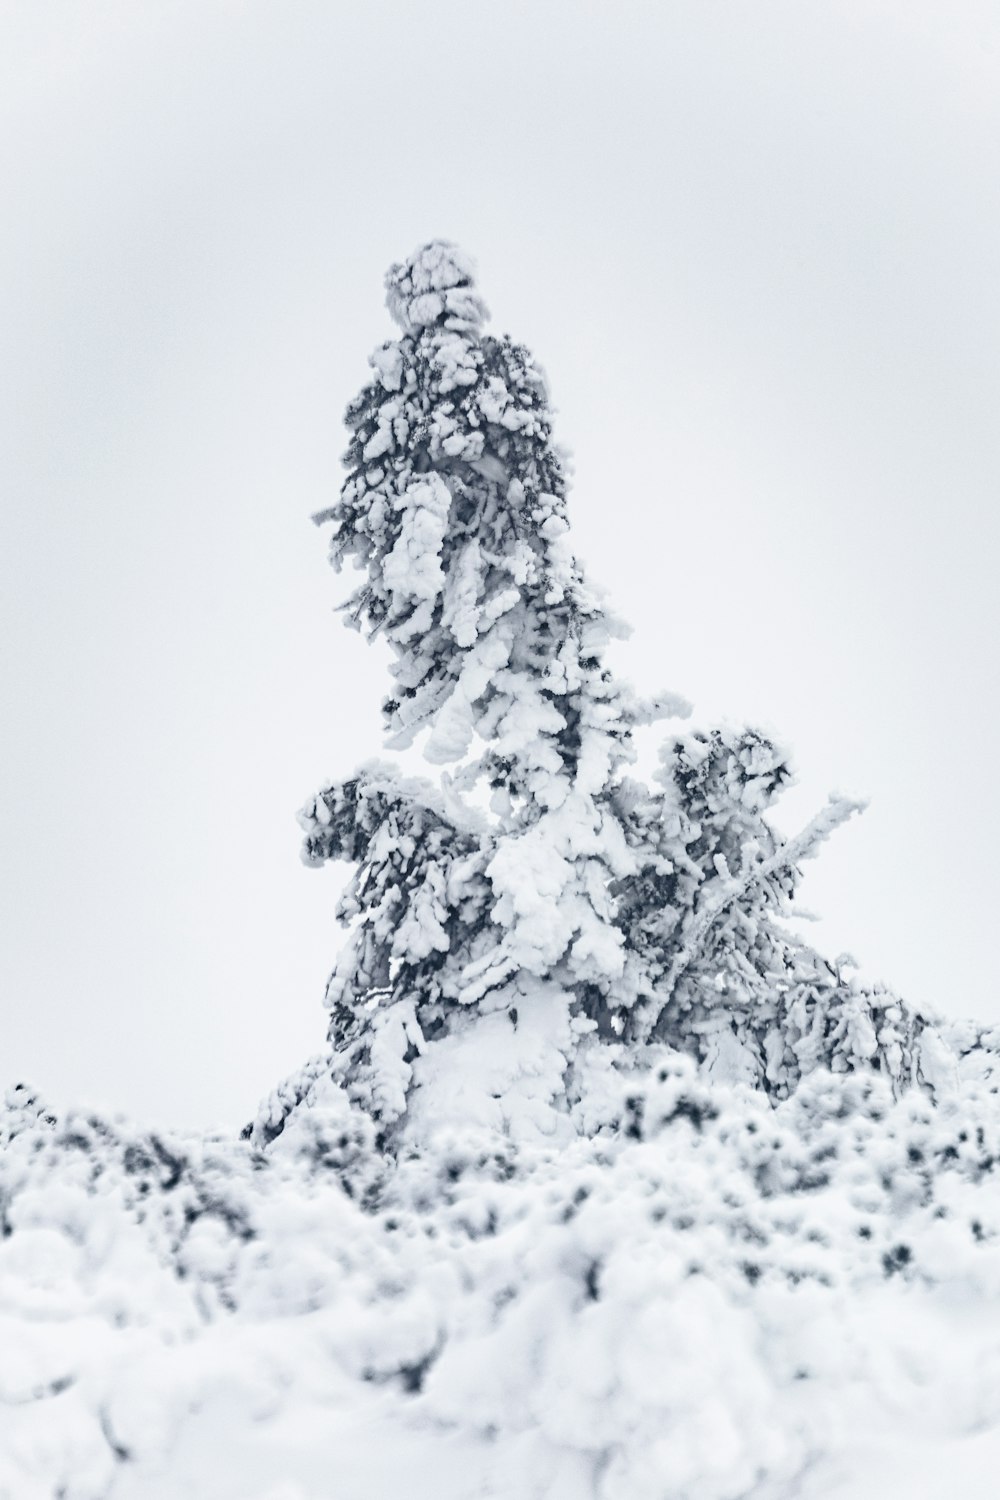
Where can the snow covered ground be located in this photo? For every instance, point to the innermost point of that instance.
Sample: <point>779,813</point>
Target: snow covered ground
<point>699,1297</point>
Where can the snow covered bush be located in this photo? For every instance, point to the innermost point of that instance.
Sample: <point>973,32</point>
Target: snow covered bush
<point>704,1297</point>
<point>606,1185</point>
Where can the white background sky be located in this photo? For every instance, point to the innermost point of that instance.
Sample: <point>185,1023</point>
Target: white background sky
<point>755,247</point>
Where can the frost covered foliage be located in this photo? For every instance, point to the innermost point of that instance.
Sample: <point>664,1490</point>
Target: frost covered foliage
<point>701,1296</point>
<point>539,900</point>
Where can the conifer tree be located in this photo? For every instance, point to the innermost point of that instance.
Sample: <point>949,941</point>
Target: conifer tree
<point>579,907</point>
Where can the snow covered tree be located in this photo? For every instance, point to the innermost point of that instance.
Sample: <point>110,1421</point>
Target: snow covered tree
<point>577,906</point>
<point>454,507</point>
<point>725,977</point>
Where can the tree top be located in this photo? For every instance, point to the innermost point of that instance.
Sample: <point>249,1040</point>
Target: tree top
<point>435,286</point>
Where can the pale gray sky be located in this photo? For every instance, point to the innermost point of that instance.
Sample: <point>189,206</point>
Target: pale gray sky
<point>755,246</point>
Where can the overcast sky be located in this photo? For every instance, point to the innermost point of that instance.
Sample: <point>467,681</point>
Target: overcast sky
<point>754,245</point>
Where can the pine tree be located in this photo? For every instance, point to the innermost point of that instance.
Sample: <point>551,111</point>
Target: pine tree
<point>579,907</point>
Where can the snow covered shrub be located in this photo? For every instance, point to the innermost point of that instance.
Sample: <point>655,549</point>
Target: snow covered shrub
<point>22,1110</point>
<point>702,1298</point>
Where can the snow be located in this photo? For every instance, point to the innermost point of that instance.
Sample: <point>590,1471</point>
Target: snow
<point>698,1296</point>
<point>412,570</point>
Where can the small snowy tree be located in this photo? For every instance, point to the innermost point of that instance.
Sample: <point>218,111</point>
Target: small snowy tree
<point>579,907</point>
<point>724,976</point>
